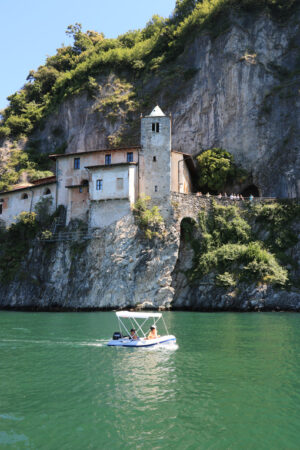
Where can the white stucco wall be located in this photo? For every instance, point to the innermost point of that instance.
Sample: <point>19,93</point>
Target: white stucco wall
<point>180,176</point>
<point>133,184</point>
<point>13,203</point>
<point>66,174</point>
<point>109,176</point>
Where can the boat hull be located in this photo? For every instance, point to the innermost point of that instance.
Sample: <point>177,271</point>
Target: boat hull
<point>138,343</point>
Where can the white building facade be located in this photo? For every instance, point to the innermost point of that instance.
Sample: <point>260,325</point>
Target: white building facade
<point>101,186</point>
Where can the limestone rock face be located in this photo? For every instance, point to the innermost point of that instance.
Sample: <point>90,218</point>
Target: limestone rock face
<point>245,98</point>
<point>123,269</point>
<point>77,127</point>
<point>120,268</point>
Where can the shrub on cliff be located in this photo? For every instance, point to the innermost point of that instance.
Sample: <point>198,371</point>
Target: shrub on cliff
<point>16,240</point>
<point>276,219</point>
<point>148,219</point>
<point>245,262</point>
<point>229,248</point>
<point>216,168</point>
<point>15,244</point>
<point>17,164</point>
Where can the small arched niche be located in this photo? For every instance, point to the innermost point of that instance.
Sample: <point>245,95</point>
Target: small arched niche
<point>24,196</point>
<point>251,190</point>
<point>47,191</point>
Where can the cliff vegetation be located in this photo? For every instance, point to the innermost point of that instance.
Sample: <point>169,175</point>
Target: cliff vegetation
<point>245,245</point>
<point>17,240</point>
<point>217,169</point>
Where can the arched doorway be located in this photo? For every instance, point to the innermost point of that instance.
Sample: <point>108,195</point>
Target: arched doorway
<point>187,227</point>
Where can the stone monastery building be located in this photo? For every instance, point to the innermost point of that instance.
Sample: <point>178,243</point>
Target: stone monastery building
<point>100,186</point>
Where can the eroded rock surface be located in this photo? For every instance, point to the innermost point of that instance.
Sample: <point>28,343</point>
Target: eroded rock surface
<point>120,268</point>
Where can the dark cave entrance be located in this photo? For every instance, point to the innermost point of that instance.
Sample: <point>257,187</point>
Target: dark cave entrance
<point>251,190</point>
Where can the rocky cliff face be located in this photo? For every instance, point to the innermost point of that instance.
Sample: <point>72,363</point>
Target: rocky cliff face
<point>245,98</point>
<point>205,295</point>
<point>119,268</point>
<point>239,90</point>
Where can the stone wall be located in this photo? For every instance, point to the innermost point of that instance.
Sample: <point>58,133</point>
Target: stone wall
<point>189,205</point>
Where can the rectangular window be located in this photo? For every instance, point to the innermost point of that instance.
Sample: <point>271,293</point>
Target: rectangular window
<point>154,158</point>
<point>129,157</point>
<point>107,160</point>
<point>99,185</point>
<point>155,127</point>
<point>76,163</point>
<point>120,184</point>
<point>0,208</point>
<point>156,189</point>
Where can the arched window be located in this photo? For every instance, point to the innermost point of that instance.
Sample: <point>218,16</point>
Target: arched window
<point>24,196</point>
<point>47,191</point>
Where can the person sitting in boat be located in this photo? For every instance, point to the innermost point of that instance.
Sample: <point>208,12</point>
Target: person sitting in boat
<point>152,333</point>
<point>133,334</point>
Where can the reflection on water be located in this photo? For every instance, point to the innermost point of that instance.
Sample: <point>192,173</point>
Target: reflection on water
<point>144,374</point>
<point>232,382</point>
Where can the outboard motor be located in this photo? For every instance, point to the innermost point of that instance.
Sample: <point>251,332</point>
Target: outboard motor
<point>117,335</point>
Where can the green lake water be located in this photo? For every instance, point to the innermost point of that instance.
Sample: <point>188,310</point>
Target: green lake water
<point>233,382</point>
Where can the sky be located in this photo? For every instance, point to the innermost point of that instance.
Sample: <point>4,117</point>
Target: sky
<point>31,30</point>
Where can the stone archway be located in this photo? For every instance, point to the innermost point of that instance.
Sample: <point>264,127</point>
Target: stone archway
<point>187,225</point>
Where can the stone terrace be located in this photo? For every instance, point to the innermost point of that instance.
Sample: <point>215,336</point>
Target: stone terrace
<point>189,205</point>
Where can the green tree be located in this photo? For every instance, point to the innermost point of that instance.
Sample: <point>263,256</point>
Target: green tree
<point>216,168</point>
<point>83,41</point>
<point>18,125</point>
<point>183,9</point>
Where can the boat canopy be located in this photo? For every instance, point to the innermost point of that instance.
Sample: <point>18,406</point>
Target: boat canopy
<point>137,315</point>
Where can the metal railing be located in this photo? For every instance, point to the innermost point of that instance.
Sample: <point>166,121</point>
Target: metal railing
<point>75,235</point>
<point>216,197</point>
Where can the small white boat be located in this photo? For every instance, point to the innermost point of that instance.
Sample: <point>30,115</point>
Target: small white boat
<point>137,323</point>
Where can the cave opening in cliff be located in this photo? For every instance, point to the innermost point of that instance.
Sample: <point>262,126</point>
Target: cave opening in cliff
<point>251,190</point>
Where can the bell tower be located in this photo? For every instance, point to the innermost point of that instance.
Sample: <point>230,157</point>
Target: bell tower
<point>155,155</point>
